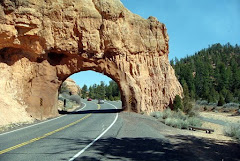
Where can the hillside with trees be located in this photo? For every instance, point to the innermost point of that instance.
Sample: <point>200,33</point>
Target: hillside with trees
<point>102,91</point>
<point>212,74</point>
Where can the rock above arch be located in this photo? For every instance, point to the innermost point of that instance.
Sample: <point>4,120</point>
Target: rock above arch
<point>43,42</point>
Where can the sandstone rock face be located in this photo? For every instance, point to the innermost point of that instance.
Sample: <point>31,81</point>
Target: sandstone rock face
<point>72,86</point>
<point>43,42</point>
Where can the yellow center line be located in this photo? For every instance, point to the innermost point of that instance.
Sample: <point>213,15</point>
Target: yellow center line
<point>45,135</point>
<point>98,106</point>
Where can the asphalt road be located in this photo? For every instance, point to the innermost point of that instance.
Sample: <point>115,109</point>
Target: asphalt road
<point>51,140</point>
<point>102,133</point>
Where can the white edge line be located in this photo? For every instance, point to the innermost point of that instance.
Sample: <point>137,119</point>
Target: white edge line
<point>84,149</point>
<point>40,122</point>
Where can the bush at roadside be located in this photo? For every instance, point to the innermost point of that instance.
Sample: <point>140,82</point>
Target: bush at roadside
<point>71,100</point>
<point>233,130</point>
<point>75,98</point>
<point>176,119</point>
<point>176,122</point>
<point>156,114</point>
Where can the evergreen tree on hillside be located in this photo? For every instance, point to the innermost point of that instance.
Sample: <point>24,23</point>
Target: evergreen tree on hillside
<point>187,106</point>
<point>108,91</point>
<point>212,74</point>
<point>103,91</point>
<point>221,100</point>
<point>91,92</point>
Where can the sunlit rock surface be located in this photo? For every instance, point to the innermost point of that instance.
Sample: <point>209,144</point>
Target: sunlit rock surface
<point>43,42</point>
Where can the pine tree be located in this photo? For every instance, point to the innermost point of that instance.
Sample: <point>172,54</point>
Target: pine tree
<point>91,92</point>
<point>187,106</point>
<point>84,91</point>
<point>172,63</point>
<point>221,101</point>
<point>177,103</point>
<point>101,91</point>
<point>108,91</point>
<point>229,97</point>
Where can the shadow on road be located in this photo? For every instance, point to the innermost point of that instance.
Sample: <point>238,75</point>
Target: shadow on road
<point>103,111</point>
<point>187,148</point>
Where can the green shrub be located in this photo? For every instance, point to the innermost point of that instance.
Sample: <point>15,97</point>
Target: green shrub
<point>179,115</point>
<point>187,105</point>
<point>60,97</point>
<point>75,98</point>
<point>111,98</point>
<point>167,113</point>
<point>208,108</point>
<point>69,104</point>
<point>185,124</point>
<point>221,101</point>
<point>172,122</point>
<point>65,95</point>
<point>194,121</point>
<point>219,108</point>
<point>176,119</point>
<point>176,122</point>
<point>232,130</point>
<point>194,112</point>
<point>116,98</point>
<point>231,105</point>
<point>157,114</point>
<point>202,102</point>
<point>229,97</point>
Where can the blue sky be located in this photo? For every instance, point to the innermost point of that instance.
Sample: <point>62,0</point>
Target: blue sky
<point>89,78</point>
<point>192,25</point>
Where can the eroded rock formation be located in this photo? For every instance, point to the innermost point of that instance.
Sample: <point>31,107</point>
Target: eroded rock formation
<point>72,86</point>
<point>43,42</point>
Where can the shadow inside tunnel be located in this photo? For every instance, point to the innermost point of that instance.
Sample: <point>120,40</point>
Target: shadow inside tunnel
<point>101,111</point>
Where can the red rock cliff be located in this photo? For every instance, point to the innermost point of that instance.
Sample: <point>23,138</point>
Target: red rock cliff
<point>43,42</point>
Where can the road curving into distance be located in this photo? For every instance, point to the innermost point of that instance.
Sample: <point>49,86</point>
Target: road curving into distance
<point>54,139</point>
<point>100,132</point>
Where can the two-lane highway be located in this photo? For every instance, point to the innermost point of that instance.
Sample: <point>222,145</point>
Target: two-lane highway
<point>62,138</point>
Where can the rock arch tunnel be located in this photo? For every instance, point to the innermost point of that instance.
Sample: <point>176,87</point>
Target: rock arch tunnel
<point>44,42</point>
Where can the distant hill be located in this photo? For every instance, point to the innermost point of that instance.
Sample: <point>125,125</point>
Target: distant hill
<point>212,74</point>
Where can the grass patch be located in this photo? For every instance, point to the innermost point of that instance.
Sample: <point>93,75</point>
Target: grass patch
<point>176,119</point>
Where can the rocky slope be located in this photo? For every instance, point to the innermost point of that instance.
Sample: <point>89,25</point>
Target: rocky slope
<point>43,42</point>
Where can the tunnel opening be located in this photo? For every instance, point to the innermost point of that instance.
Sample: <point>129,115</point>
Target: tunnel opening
<point>88,86</point>
<point>43,75</point>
